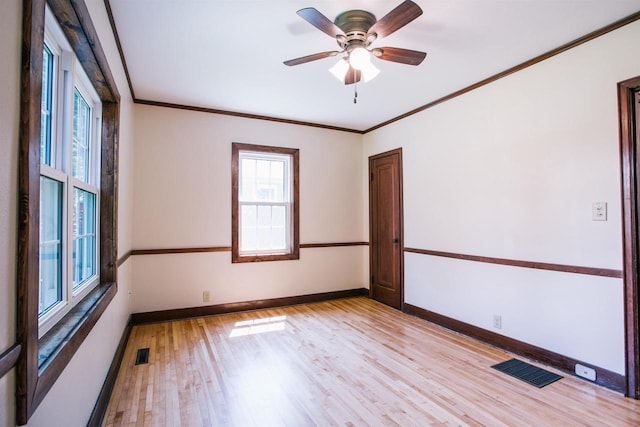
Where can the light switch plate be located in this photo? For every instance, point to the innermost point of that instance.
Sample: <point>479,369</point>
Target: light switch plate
<point>599,211</point>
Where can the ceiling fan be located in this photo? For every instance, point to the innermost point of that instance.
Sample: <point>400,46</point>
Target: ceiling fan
<point>355,31</point>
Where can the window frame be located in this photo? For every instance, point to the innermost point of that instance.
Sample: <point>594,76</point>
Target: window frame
<point>294,226</point>
<point>43,359</point>
<point>68,79</point>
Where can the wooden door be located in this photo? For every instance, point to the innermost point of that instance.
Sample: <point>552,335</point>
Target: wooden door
<point>632,290</point>
<point>629,116</point>
<point>385,228</point>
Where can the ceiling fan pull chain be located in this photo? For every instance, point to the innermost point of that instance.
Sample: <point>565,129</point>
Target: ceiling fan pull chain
<point>355,93</point>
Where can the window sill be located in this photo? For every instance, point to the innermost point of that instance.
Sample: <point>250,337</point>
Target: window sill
<point>58,345</point>
<point>260,258</point>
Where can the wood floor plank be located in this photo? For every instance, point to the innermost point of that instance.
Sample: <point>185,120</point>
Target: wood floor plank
<point>351,362</point>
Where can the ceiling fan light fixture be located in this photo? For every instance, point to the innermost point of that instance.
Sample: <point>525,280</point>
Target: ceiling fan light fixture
<point>359,58</point>
<point>339,70</point>
<point>369,72</point>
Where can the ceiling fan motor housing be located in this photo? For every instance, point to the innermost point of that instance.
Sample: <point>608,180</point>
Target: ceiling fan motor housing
<point>355,24</point>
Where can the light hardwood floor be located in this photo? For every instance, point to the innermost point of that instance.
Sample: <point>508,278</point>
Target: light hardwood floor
<point>351,362</point>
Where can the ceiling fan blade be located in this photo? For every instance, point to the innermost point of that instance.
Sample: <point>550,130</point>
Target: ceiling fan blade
<point>352,76</point>
<point>309,58</point>
<point>403,56</point>
<point>321,22</point>
<point>406,12</point>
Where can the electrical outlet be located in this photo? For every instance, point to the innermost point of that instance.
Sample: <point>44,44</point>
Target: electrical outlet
<point>206,297</point>
<point>585,372</point>
<point>497,321</point>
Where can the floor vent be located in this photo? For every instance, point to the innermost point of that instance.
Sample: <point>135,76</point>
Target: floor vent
<point>142,357</point>
<point>527,373</point>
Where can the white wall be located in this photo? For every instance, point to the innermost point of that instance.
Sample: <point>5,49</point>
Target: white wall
<point>510,170</point>
<point>70,401</point>
<point>183,199</point>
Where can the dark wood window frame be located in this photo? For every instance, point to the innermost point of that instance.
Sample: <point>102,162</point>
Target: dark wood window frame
<point>42,360</point>
<point>295,215</point>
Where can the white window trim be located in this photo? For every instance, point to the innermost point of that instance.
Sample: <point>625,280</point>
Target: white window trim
<point>288,201</point>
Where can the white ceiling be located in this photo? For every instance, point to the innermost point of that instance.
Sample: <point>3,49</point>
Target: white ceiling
<point>227,54</point>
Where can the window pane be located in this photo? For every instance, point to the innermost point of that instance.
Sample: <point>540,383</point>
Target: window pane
<point>50,244</point>
<point>263,172</point>
<point>264,192</point>
<point>248,180</point>
<point>263,180</point>
<point>277,181</point>
<point>84,236</point>
<point>248,234</point>
<point>46,106</point>
<point>278,227</point>
<point>263,228</point>
<point>81,137</point>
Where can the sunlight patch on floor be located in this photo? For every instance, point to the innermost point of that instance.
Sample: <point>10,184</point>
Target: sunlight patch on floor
<point>258,326</point>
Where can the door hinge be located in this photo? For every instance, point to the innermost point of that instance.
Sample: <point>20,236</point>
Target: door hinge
<point>371,176</point>
<point>371,279</point>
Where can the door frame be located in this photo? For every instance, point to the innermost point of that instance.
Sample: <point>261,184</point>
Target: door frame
<point>630,169</point>
<point>396,151</point>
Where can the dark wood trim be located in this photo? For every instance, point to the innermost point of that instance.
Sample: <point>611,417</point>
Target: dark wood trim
<point>566,364</point>
<point>212,310</point>
<point>100,408</point>
<point>577,42</point>
<point>28,208</point>
<point>123,259</point>
<point>114,30</point>
<point>109,192</point>
<point>629,119</point>
<point>9,358</point>
<point>236,148</point>
<point>78,28</point>
<point>592,271</point>
<point>33,380</point>
<point>243,115</point>
<point>332,245</point>
<point>228,249</point>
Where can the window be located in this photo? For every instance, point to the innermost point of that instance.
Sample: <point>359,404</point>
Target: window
<point>67,183</point>
<point>69,173</point>
<point>265,203</point>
